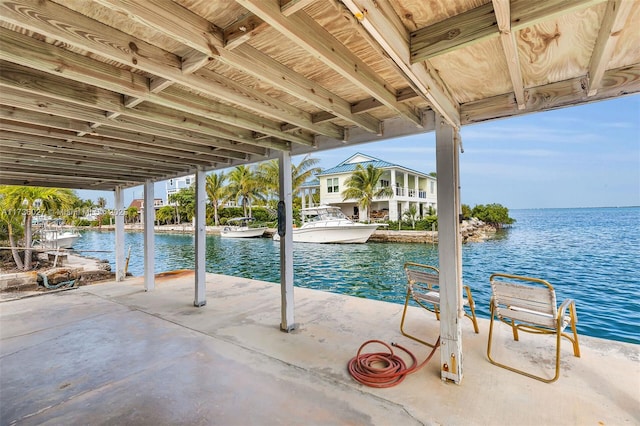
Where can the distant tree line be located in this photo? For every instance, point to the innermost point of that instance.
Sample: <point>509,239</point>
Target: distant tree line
<point>253,189</point>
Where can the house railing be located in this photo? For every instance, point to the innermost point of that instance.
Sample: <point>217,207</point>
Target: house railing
<point>408,192</point>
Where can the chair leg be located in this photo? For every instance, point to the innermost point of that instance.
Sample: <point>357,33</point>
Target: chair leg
<point>515,370</point>
<point>514,328</point>
<point>574,321</point>
<point>404,316</point>
<point>472,308</point>
<point>490,336</point>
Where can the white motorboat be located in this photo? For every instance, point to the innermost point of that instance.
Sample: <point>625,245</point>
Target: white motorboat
<point>56,238</point>
<point>327,224</point>
<point>239,227</point>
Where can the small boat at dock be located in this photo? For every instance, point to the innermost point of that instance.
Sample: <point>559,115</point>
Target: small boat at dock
<point>240,227</point>
<point>56,238</point>
<point>327,224</point>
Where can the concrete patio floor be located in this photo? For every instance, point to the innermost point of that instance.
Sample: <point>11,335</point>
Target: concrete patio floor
<point>112,353</point>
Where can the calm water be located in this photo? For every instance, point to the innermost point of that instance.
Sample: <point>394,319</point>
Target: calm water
<point>591,255</point>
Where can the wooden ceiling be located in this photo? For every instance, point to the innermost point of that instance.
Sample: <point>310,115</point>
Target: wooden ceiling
<point>105,93</point>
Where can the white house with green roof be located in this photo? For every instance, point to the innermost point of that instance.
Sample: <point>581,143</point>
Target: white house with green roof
<point>410,188</point>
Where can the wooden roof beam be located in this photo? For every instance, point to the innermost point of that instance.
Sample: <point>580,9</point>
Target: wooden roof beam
<point>308,34</point>
<point>610,30</point>
<point>102,145</point>
<point>502,10</point>
<point>480,24</point>
<point>24,100</point>
<point>153,60</point>
<point>113,137</point>
<point>20,177</point>
<point>22,50</point>
<point>116,158</point>
<point>617,82</point>
<point>245,58</point>
<point>385,27</point>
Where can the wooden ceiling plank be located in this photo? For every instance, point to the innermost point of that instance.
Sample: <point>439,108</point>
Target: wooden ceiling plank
<point>23,50</point>
<point>28,80</point>
<point>289,7</point>
<point>194,31</point>
<point>130,51</point>
<point>124,139</point>
<point>611,28</point>
<point>386,28</point>
<point>308,34</point>
<point>525,13</point>
<point>65,180</point>
<point>479,24</point>
<point>243,30</point>
<point>55,158</point>
<point>461,30</point>
<point>55,164</point>
<point>502,9</point>
<point>64,174</point>
<point>24,100</point>
<point>93,185</point>
<point>100,145</point>
<point>244,58</point>
<point>618,82</point>
<point>26,144</point>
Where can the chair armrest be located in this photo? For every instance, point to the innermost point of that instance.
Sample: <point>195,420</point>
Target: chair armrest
<point>571,304</point>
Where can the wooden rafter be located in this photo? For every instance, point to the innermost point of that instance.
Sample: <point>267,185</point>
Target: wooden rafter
<point>612,25</point>
<point>306,33</point>
<point>502,10</point>
<point>480,24</point>
<point>130,51</point>
<point>245,58</point>
<point>388,31</point>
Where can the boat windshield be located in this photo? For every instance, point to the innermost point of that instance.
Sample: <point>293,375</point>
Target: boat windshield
<point>323,213</point>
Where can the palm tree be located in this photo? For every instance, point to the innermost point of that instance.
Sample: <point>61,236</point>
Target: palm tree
<point>185,203</point>
<point>269,174</point>
<point>11,219</point>
<point>131,214</point>
<point>165,214</point>
<point>23,198</point>
<point>411,214</point>
<point>246,187</point>
<point>216,192</point>
<point>362,186</point>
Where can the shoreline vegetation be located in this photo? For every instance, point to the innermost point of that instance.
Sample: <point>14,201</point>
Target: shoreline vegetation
<point>472,230</point>
<point>68,269</point>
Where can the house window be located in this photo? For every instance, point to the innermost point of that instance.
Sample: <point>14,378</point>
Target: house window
<point>332,185</point>
<point>384,183</point>
<point>432,187</point>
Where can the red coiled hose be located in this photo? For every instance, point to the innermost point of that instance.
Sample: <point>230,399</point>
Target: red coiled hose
<point>382,369</point>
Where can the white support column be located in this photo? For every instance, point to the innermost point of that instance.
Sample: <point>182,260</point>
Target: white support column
<point>286,243</point>
<point>303,198</point>
<point>449,252</point>
<point>201,239</point>
<point>149,244</point>
<point>119,213</point>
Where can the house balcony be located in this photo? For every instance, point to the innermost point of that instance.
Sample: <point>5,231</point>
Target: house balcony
<point>408,194</point>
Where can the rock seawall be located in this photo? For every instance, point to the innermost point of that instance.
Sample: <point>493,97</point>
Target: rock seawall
<point>472,230</point>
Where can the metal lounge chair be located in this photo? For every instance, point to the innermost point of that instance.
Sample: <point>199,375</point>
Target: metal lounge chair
<point>423,287</point>
<point>529,304</point>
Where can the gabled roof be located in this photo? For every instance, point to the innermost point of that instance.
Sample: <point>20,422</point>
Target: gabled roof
<point>350,164</point>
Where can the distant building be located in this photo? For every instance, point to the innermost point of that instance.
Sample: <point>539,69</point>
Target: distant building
<point>176,184</point>
<point>139,204</point>
<point>410,187</point>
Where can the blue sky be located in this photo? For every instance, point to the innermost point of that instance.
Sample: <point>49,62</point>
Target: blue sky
<point>584,156</point>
